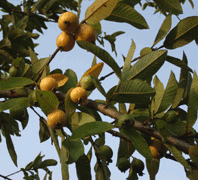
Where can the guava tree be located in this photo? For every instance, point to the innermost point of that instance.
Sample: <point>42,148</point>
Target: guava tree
<point>145,116</point>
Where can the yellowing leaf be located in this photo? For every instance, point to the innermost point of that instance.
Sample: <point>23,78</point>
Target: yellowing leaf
<point>100,9</point>
<point>61,78</point>
<point>94,70</point>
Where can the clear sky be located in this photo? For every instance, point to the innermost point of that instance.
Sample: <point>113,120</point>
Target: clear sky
<point>28,146</point>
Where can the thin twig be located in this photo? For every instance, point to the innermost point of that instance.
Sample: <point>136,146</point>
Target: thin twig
<point>5,177</point>
<point>13,173</point>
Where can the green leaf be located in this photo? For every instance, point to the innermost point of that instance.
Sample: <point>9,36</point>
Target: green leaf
<point>15,82</point>
<point>91,128</point>
<point>133,91</point>
<point>6,56</point>
<point>72,81</point>
<point>152,167</point>
<point>83,168</point>
<point>74,148</point>
<point>192,103</point>
<point>5,43</point>
<point>78,119</point>
<point>125,13</point>
<point>22,23</point>
<point>162,128</point>
<point>98,85</point>
<point>177,129</point>
<point>47,101</point>
<point>164,29</point>
<point>169,94</point>
<point>44,133</point>
<point>177,62</point>
<point>138,142</point>
<point>183,33</point>
<point>33,56</point>
<point>10,148</point>
<point>48,5</point>
<point>15,103</point>
<point>122,108</point>
<point>178,156</point>
<point>99,10</point>
<point>191,3</point>
<point>102,54</point>
<point>70,106</point>
<point>126,149</point>
<point>148,65</point>
<point>127,62</point>
<point>38,65</point>
<point>171,6</point>
<point>182,84</point>
<point>102,171</point>
<point>48,162</point>
<point>38,5</point>
<point>157,99</point>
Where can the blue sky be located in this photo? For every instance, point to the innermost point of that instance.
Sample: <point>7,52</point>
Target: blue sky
<point>28,146</point>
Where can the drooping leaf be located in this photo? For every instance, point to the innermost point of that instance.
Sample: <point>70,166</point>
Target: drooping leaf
<point>83,168</point>
<point>182,84</point>
<point>178,156</point>
<point>164,29</point>
<point>191,3</point>
<point>44,133</point>
<point>91,128</point>
<point>171,6</point>
<point>122,108</point>
<point>148,65</point>
<point>183,33</point>
<point>102,54</point>
<point>99,10</point>
<point>169,94</point>
<point>125,13</point>
<point>127,62</point>
<point>138,142</point>
<point>11,149</point>
<point>15,82</point>
<point>75,149</point>
<point>102,171</point>
<point>38,5</point>
<point>152,167</point>
<point>47,101</point>
<point>192,103</point>
<point>38,65</point>
<point>133,91</point>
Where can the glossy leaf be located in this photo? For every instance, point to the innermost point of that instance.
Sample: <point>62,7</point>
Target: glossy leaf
<point>91,128</point>
<point>192,103</point>
<point>127,62</point>
<point>148,65</point>
<point>99,10</point>
<point>75,149</point>
<point>178,156</point>
<point>125,13</point>
<point>102,54</point>
<point>169,94</point>
<point>133,91</point>
<point>183,33</point>
<point>15,82</point>
<point>47,101</point>
<point>38,65</point>
<point>83,168</point>
<point>164,29</point>
<point>33,56</point>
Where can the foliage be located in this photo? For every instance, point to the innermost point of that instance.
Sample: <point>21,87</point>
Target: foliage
<point>21,71</point>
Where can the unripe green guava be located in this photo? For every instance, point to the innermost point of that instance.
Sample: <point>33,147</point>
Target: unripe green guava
<point>137,165</point>
<point>170,116</point>
<point>123,164</point>
<point>105,152</point>
<point>126,121</point>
